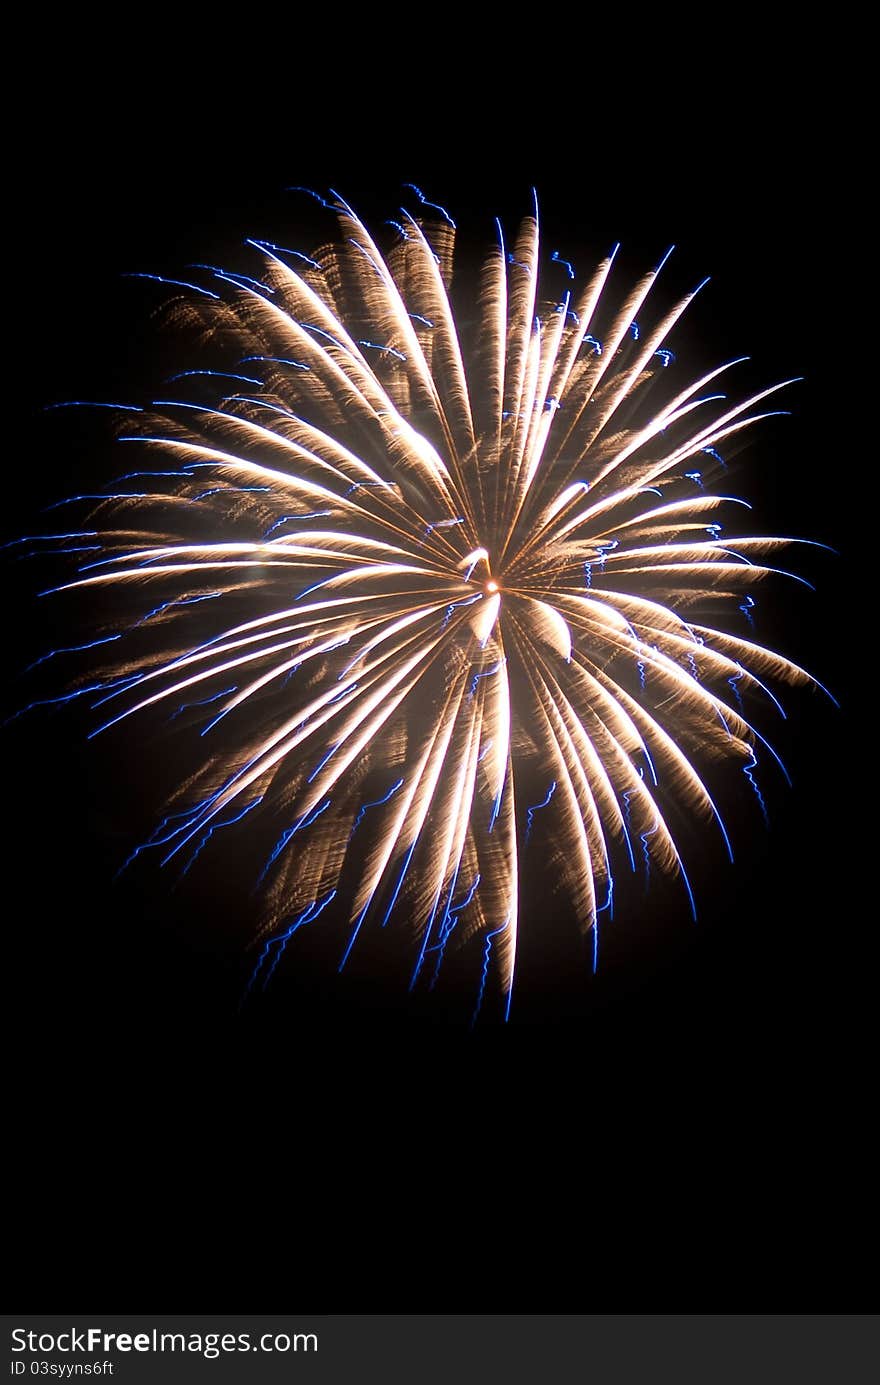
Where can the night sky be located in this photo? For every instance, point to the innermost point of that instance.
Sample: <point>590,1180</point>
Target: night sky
<point>685,1124</point>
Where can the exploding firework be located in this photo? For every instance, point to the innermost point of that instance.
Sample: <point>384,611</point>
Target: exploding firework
<point>455,574</point>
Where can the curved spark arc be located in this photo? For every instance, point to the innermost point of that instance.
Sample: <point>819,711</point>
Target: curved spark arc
<point>455,548</point>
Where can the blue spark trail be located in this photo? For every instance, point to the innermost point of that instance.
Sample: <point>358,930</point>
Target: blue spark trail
<point>282,250</point>
<point>690,893</point>
<point>177,283</point>
<point>374,803</point>
<point>155,839</point>
<point>444,524</point>
<point>99,495</point>
<point>215,828</point>
<point>449,922</point>
<point>189,816</point>
<point>486,953</point>
<point>485,673</point>
<point>378,346</point>
<point>530,812</point>
<point>646,850</point>
<point>76,548</point>
<point>314,587</point>
<point>65,697</point>
<point>51,538</point>
<point>177,601</point>
<point>232,275</point>
<point>747,771</point>
<point>609,899</point>
<point>180,474</point>
<point>232,490</point>
<point>434,205</point>
<point>363,913</point>
<point>317,770</point>
<point>609,905</point>
<point>467,601</point>
<point>429,928</point>
<point>305,821</point>
<point>368,485</point>
<point>650,763</point>
<point>258,403</point>
<point>284,519</point>
<point>713,452</point>
<point>343,692</point>
<point>331,206</point>
<point>322,332</point>
<point>207,805</point>
<point>92,404</point>
<point>218,374</point>
<point>627,825</point>
<point>566,264</point>
<point>308,915</point>
<point>563,307</point>
<point>354,933</point>
<point>275,360</point>
<point>244,281</point>
<point>397,887</point>
<point>471,568</point>
<point>71,649</point>
<point>202,702</point>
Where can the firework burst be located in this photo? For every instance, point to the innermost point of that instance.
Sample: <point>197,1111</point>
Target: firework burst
<point>443,561</point>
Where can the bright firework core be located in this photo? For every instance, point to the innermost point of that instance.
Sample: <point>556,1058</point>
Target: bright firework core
<point>317,544</point>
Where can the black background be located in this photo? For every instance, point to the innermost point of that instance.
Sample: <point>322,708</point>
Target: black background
<point>690,1125</point>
